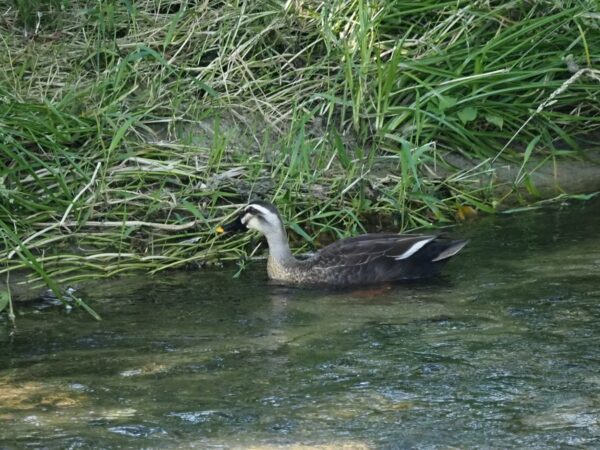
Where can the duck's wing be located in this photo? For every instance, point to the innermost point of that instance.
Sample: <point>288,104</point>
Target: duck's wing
<point>386,257</point>
<point>361,250</point>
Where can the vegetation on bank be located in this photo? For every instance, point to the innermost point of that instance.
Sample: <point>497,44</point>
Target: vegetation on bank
<point>129,130</point>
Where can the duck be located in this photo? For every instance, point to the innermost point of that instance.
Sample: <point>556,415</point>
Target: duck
<point>365,260</point>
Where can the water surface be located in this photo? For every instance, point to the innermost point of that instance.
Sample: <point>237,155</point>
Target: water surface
<point>502,351</point>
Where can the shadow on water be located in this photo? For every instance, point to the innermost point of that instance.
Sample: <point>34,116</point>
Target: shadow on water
<point>501,351</point>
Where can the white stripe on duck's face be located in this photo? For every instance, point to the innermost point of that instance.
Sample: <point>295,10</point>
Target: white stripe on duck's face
<point>259,218</point>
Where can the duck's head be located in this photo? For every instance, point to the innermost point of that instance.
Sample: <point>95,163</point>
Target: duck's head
<point>258,215</point>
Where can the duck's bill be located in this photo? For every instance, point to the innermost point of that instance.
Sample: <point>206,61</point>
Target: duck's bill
<point>233,227</point>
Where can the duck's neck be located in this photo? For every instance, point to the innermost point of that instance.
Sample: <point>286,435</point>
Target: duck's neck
<point>279,248</point>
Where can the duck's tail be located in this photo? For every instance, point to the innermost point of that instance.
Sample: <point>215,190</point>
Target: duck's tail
<point>450,250</point>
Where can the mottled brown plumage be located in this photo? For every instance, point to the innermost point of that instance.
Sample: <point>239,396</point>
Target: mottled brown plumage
<point>362,260</point>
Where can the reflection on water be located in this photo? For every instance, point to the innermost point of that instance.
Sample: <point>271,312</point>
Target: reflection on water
<point>502,351</point>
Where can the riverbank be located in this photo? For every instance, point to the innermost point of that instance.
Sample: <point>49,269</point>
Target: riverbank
<point>566,179</point>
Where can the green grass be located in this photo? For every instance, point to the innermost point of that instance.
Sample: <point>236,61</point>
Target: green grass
<point>129,130</point>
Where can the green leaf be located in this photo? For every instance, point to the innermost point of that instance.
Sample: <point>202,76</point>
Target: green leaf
<point>120,133</point>
<point>3,300</point>
<point>494,120</point>
<point>529,149</point>
<point>530,186</point>
<point>526,157</point>
<point>172,28</point>
<point>301,232</point>
<point>342,154</point>
<point>445,102</point>
<point>582,196</point>
<point>195,211</point>
<point>467,114</point>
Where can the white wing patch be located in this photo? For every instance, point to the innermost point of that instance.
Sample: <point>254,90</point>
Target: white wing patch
<point>414,248</point>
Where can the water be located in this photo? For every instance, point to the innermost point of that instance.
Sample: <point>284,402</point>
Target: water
<point>500,352</point>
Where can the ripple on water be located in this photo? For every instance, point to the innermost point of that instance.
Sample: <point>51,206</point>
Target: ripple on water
<point>137,431</point>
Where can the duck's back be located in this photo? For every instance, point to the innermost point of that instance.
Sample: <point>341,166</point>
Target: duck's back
<point>380,258</point>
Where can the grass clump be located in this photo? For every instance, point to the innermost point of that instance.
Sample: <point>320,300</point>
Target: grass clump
<point>128,130</point>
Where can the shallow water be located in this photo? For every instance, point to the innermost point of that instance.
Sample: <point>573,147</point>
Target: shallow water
<point>502,351</point>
